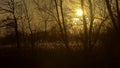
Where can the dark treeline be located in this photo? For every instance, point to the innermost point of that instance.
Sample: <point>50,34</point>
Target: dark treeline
<point>52,34</point>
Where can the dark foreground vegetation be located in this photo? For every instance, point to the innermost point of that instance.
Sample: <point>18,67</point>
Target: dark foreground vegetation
<point>107,56</point>
<point>58,58</point>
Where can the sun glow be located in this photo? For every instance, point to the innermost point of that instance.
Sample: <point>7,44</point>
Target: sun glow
<point>79,12</point>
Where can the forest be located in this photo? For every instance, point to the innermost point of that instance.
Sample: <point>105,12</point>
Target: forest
<point>59,33</point>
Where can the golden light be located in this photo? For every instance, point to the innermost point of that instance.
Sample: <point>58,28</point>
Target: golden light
<point>76,19</point>
<point>79,12</point>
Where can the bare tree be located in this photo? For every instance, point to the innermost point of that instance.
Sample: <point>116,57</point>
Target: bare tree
<point>85,26</point>
<point>11,9</point>
<point>63,27</point>
<point>28,18</point>
<point>53,11</point>
<point>111,12</point>
<point>91,23</point>
<point>44,11</point>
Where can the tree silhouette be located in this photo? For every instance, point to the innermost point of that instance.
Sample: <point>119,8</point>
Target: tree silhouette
<point>12,10</point>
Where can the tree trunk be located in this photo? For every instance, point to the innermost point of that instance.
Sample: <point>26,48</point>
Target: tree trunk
<point>64,25</point>
<point>111,14</point>
<point>59,23</point>
<point>17,37</point>
<point>91,24</point>
<point>85,27</point>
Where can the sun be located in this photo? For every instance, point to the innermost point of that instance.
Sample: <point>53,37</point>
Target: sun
<point>79,12</point>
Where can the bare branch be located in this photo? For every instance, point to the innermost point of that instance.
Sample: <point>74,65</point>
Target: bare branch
<point>6,10</point>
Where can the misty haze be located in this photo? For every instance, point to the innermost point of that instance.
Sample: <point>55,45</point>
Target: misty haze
<point>59,34</point>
